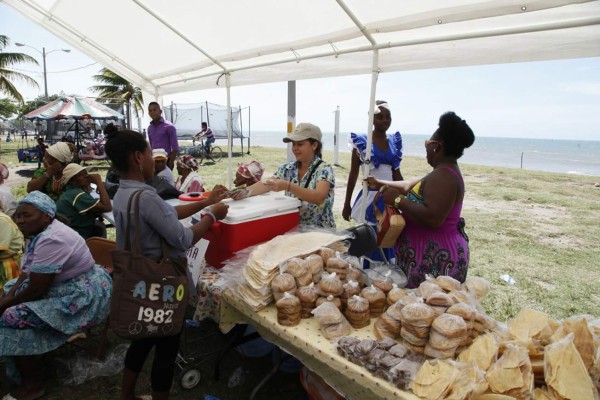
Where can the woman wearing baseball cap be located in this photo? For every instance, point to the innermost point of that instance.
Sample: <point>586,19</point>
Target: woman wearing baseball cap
<point>309,178</point>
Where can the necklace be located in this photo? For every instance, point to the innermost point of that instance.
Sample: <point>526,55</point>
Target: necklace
<point>56,185</point>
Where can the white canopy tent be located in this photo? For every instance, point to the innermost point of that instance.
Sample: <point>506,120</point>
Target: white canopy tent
<point>177,46</point>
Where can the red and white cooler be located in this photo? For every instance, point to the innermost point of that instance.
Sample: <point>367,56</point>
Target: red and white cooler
<point>249,222</point>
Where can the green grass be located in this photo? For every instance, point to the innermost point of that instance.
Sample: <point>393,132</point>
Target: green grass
<point>540,228</point>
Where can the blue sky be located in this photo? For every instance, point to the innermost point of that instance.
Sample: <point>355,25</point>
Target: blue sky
<point>549,99</point>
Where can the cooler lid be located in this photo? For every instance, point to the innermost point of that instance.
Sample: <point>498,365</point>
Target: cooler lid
<point>264,205</point>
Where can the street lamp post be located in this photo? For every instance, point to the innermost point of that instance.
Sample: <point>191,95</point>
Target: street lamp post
<point>44,54</point>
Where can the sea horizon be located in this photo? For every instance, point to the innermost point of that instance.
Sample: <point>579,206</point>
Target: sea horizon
<point>569,156</point>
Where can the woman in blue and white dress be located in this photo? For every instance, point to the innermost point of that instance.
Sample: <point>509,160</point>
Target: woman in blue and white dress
<point>386,155</point>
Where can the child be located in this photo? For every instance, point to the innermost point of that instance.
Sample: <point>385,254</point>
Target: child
<point>41,150</point>
<point>386,156</point>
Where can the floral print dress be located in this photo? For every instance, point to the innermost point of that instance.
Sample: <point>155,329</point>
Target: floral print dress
<point>312,214</point>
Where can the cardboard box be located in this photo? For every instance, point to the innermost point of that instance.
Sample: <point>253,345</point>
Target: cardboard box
<point>249,222</point>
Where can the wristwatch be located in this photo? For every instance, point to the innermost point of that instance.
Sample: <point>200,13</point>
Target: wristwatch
<point>397,200</point>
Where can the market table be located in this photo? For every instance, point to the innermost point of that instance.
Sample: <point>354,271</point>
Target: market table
<point>306,343</point>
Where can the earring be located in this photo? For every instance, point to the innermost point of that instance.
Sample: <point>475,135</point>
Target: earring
<point>141,168</point>
<point>434,150</point>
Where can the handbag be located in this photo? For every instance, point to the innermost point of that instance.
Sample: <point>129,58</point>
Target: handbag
<point>390,223</point>
<point>149,297</point>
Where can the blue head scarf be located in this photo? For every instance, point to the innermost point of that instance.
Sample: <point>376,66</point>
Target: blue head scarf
<point>41,201</point>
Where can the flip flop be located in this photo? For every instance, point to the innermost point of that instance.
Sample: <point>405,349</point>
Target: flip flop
<point>8,396</point>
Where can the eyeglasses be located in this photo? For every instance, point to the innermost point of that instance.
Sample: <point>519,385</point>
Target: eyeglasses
<point>428,142</point>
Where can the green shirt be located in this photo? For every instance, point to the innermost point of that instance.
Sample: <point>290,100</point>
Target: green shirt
<point>52,187</point>
<point>75,204</point>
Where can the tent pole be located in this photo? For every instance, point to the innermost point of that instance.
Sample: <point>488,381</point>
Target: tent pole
<point>229,133</point>
<point>366,165</point>
<point>249,129</point>
<point>336,136</point>
<point>241,128</point>
<point>291,117</point>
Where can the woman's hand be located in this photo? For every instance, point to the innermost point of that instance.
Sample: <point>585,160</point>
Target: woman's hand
<point>389,194</point>
<point>219,210</point>
<point>346,212</point>
<point>240,194</point>
<point>277,185</point>
<point>373,182</point>
<point>217,194</point>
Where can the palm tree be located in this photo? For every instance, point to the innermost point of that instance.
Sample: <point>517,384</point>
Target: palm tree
<point>116,88</point>
<point>8,75</point>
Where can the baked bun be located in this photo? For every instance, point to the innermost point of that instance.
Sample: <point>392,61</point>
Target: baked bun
<point>450,325</point>
<point>440,299</point>
<point>448,283</point>
<point>282,283</point>
<point>417,314</point>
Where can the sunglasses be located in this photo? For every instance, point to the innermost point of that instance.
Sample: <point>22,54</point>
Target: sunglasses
<point>428,142</point>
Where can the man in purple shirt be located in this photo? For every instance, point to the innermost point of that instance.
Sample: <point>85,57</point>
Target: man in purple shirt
<point>162,134</point>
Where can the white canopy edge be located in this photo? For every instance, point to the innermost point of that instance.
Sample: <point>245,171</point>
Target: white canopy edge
<point>311,39</point>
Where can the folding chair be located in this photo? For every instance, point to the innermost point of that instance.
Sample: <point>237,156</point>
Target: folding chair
<point>101,249</point>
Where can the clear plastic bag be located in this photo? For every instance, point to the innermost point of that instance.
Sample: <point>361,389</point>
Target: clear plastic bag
<point>83,367</point>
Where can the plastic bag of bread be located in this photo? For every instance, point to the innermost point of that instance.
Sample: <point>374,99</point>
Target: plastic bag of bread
<point>338,265</point>
<point>376,299</point>
<point>330,284</point>
<point>308,299</point>
<point>566,375</point>
<point>450,326</point>
<point>478,286</point>
<point>331,321</point>
<point>383,282</point>
<point>357,312</point>
<point>385,326</point>
<point>315,266</point>
<point>288,310</point>
<point>298,268</point>
<point>326,253</point>
<point>448,283</point>
<point>335,300</point>
<point>355,274</point>
<point>417,314</point>
<point>353,262</point>
<point>439,299</point>
<point>511,374</point>
<point>427,287</point>
<point>282,283</point>
<point>350,289</point>
<point>395,294</point>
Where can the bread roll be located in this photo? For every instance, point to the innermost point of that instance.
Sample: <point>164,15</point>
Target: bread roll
<point>412,339</point>
<point>337,265</point>
<point>315,263</point>
<point>298,268</point>
<point>355,274</point>
<point>282,283</point>
<point>450,325</point>
<point>376,299</point>
<point>335,300</point>
<point>357,312</point>
<point>384,282</point>
<point>395,294</point>
<point>439,299</point>
<point>448,283</point>
<point>426,288</point>
<point>417,314</point>
<point>418,331</point>
<point>326,253</point>
<point>439,354</point>
<point>444,343</point>
<point>308,298</point>
<point>288,310</point>
<point>478,286</point>
<point>330,284</point>
<point>387,327</point>
<point>462,310</point>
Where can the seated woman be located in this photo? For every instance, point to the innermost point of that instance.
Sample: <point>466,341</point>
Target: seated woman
<point>248,173</point>
<point>8,203</point>
<point>76,203</point>
<point>309,178</point>
<point>48,179</point>
<point>188,180</point>
<point>11,248</point>
<point>434,241</point>
<point>160,166</point>
<point>60,292</point>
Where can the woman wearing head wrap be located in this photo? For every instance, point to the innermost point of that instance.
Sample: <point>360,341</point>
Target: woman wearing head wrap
<point>76,203</point>
<point>8,204</point>
<point>386,155</point>
<point>188,180</point>
<point>11,248</point>
<point>60,292</point>
<point>48,179</point>
<point>434,241</point>
<point>248,173</point>
<point>160,166</point>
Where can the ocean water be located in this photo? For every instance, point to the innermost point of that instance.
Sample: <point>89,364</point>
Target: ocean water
<point>580,157</point>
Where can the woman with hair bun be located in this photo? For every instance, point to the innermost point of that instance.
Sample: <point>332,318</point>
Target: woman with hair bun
<point>434,241</point>
<point>131,155</point>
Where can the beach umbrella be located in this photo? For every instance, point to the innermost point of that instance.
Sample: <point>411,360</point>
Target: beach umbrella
<point>73,107</point>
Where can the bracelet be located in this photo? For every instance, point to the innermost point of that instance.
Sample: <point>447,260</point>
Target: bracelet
<point>208,213</point>
<point>397,200</point>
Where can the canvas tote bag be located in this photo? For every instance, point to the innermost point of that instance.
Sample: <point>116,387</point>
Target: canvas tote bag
<point>149,297</point>
<point>390,223</point>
